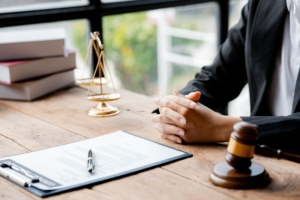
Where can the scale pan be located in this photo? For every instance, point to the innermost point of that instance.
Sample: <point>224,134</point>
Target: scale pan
<point>92,82</point>
<point>103,97</point>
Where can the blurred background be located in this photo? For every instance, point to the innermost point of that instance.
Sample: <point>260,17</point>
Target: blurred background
<point>150,52</point>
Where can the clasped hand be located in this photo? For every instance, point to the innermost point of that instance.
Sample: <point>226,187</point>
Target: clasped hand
<point>183,119</point>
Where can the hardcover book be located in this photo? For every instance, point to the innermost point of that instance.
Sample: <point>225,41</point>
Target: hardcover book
<point>36,88</point>
<point>25,44</point>
<point>14,71</point>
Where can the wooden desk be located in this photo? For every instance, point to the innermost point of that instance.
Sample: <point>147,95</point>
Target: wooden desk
<point>61,118</point>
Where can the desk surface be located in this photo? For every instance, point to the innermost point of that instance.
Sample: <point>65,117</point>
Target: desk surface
<point>61,118</point>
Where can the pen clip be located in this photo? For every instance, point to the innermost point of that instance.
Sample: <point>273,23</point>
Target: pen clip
<point>90,164</point>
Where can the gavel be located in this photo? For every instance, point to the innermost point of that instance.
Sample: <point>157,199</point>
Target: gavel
<point>241,145</point>
<point>238,171</point>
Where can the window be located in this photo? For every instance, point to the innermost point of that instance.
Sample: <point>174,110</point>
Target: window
<point>155,51</point>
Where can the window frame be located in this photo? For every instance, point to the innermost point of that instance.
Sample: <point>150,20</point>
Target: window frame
<point>96,10</point>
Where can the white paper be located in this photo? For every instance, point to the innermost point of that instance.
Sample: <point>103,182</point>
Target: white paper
<point>113,153</point>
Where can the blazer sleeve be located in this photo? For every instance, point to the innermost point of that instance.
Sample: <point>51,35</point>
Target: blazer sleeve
<point>278,132</point>
<point>224,79</point>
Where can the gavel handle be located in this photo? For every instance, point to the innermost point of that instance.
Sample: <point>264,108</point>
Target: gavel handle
<point>267,151</point>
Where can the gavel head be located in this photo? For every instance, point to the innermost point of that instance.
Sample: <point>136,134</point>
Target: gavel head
<point>241,145</point>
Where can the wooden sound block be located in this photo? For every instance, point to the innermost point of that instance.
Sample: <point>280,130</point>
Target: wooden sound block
<point>226,176</point>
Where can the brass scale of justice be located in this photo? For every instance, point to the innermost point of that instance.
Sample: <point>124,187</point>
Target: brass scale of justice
<point>103,109</point>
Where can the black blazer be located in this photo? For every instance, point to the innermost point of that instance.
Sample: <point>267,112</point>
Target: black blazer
<point>248,56</point>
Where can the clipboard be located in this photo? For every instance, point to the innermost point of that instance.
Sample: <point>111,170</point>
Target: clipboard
<point>25,177</point>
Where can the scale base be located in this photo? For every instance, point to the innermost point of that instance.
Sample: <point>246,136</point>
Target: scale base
<point>226,176</point>
<point>103,110</point>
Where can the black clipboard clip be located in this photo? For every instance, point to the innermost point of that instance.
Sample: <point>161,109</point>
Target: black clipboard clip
<point>13,177</point>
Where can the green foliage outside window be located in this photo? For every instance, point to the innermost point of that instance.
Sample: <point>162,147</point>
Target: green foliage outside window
<point>79,36</point>
<point>130,42</point>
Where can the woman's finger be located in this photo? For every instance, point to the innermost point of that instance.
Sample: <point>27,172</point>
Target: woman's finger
<point>173,115</point>
<point>173,138</point>
<point>171,103</point>
<point>168,136</point>
<point>171,110</point>
<point>170,129</point>
<point>194,96</point>
<point>180,100</point>
<point>161,119</point>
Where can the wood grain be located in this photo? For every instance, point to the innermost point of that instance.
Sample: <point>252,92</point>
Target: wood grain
<point>68,111</point>
<point>31,133</point>
<point>158,184</point>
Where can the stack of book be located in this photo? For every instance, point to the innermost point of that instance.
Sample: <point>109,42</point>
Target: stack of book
<point>34,63</point>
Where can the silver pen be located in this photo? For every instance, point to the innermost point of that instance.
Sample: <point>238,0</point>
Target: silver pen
<point>90,162</point>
